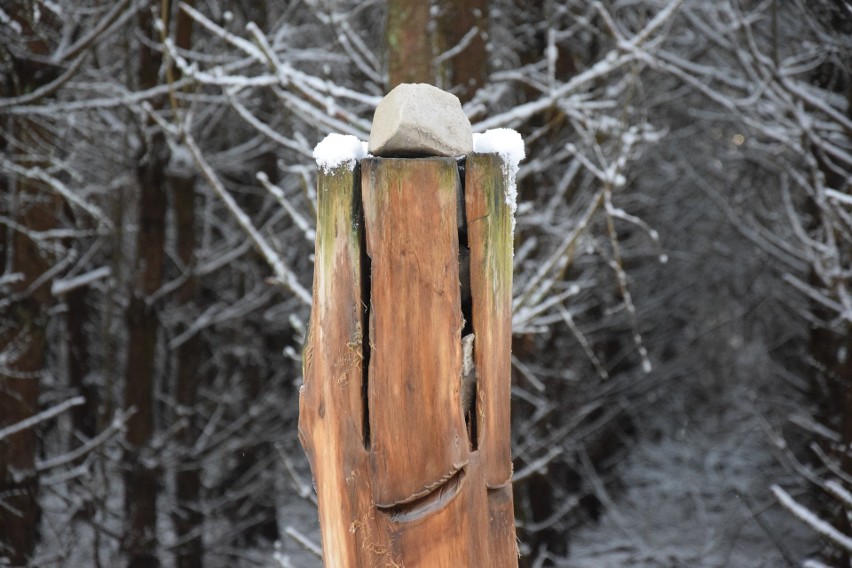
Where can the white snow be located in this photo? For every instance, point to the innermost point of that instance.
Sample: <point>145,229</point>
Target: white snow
<point>63,286</point>
<point>41,416</point>
<point>812,519</point>
<point>336,150</point>
<point>53,7</point>
<point>840,492</point>
<point>510,146</point>
<point>6,20</point>
<point>180,161</point>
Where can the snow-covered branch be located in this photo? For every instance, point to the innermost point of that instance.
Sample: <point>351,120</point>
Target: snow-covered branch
<point>282,273</point>
<point>51,412</point>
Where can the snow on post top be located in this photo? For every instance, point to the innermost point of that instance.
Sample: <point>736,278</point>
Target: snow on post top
<point>504,141</point>
<point>337,150</point>
<point>510,146</point>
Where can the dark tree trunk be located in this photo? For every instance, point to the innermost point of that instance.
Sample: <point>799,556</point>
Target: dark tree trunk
<point>141,477</point>
<point>84,417</point>
<point>408,43</point>
<point>466,71</point>
<point>24,303</point>
<point>187,516</point>
<point>24,331</point>
<point>22,340</point>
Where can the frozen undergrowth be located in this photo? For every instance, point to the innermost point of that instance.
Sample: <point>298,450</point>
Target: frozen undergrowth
<point>697,491</point>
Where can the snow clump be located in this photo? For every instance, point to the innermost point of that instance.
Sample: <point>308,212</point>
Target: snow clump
<point>510,146</point>
<point>337,150</point>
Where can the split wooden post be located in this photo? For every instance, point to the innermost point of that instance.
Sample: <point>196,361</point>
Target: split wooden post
<point>405,474</point>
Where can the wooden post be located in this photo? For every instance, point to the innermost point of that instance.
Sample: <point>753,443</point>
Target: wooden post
<point>405,474</point>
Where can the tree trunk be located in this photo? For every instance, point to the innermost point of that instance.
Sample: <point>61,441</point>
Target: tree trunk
<point>406,474</point>
<point>408,43</point>
<point>141,478</point>
<point>83,417</point>
<point>24,330</point>
<point>22,337</point>
<point>33,208</point>
<point>22,342</point>
<point>466,71</point>
<point>187,516</point>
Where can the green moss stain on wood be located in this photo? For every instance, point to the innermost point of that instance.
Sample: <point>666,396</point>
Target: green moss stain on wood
<point>490,240</point>
<point>331,400</point>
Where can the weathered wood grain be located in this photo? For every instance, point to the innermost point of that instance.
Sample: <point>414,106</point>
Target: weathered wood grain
<point>398,481</point>
<point>489,226</point>
<point>330,402</point>
<point>416,425</point>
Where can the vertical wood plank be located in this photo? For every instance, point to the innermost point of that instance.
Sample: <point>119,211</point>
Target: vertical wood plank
<point>489,223</point>
<point>502,541</point>
<point>416,425</point>
<point>330,401</point>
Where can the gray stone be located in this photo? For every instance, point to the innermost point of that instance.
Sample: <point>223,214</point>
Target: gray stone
<point>420,120</point>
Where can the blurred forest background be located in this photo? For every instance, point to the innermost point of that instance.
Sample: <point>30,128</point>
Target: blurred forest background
<point>682,378</point>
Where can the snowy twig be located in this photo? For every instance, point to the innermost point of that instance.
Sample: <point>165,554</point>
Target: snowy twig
<point>307,543</point>
<point>812,520</point>
<point>41,416</point>
<point>118,422</point>
<point>587,349</point>
<point>62,287</point>
<point>278,194</point>
<point>538,465</point>
<point>282,273</point>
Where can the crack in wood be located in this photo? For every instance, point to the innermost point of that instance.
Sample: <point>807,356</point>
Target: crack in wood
<point>366,328</point>
<point>468,388</point>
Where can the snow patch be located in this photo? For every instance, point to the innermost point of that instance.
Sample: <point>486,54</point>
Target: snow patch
<point>337,150</point>
<point>53,7</point>
<point>510,146</point>
<point>181,163</point>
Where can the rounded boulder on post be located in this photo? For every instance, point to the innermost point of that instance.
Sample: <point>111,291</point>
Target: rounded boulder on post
<point>416,120</point>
